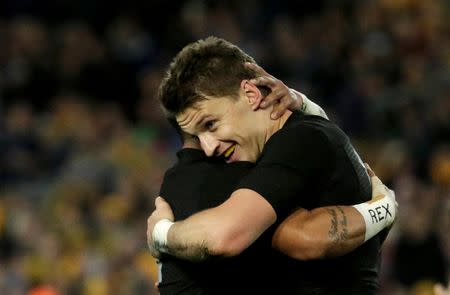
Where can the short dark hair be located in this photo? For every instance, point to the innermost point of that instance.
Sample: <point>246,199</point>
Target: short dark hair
<point>210,67</point>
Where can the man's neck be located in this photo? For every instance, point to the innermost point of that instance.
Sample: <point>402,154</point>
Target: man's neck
<point>277,125</point>
<point>283,119</point>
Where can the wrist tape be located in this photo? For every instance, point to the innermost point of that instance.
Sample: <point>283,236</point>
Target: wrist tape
<point>159,234</point>
<point>311,108</point>
<point>378,214</point>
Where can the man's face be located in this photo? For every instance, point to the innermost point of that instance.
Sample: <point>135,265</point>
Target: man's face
<point>227,127</point>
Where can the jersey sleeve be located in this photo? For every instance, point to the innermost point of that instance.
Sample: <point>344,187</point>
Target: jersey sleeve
<point>295,161</point>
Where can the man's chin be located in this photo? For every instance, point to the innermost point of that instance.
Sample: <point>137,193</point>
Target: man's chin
<point>242,159</point>
<point>239,156</point>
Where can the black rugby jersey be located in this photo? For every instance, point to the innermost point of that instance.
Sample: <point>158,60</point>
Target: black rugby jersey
<point>196,183</point>
<point>311,163</point>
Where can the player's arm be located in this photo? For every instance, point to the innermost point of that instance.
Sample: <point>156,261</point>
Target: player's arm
<point>335,230</point>
<point>225,230</point>
<point>281,97</point>
<point>319,233</point>
<point>230,228</point>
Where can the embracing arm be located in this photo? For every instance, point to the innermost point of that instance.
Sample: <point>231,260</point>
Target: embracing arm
<point>230,228</point>
<point>225,230</point>
<point>281,97</point>
<point>320,233</point>
<point>336,230</point>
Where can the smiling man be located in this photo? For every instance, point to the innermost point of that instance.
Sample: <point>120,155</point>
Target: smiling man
<point>216,123</point>
<point>301,161</point>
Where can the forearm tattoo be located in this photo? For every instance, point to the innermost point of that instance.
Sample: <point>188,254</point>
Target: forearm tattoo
<point>338,230</point>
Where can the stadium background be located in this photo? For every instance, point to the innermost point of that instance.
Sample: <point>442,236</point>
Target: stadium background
<point>83,145</point>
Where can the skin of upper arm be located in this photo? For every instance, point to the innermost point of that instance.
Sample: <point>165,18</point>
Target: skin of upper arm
<point>322,232</point>
<point>293,238</point>
<point>243,218</point>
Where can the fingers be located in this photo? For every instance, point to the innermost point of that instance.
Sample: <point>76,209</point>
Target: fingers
<point>280,95</point>
<point>277,92</point>
<point>377,184</point>
<point>378,187</point>
<point>258,103</point>
<point>280,108</point>
<point>162,210</point>
<point>273,97</point>
<point>264,81</point>
<point>369,170</point>
<point>256,68</point>
<point>160,203</point>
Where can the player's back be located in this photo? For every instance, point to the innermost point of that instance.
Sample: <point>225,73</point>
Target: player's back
<point>196,183</point>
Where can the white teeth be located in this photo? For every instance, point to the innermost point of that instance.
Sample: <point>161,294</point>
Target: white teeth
<point>229,151</point>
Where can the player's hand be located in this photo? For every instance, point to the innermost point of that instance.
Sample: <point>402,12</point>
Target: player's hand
<point>379,190</point>
<point>281,97</point>
<point>162,211</point>
<point>378,187</point>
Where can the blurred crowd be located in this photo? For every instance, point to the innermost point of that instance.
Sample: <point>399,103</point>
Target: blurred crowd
<point>84,146</point>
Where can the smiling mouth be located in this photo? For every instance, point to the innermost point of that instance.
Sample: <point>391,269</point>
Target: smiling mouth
<point>229,152</point>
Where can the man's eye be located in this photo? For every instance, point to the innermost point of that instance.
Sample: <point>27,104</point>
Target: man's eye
<point>210,125</point>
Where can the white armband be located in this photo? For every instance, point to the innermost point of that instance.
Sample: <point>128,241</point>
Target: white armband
<point>311,108</point>
<point>378,214</point>
<point>159,234</point>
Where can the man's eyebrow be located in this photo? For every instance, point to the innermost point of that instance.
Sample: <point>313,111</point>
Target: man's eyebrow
<point>201,120</point>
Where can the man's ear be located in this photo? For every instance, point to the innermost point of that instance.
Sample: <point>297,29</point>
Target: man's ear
<point>252,93</point>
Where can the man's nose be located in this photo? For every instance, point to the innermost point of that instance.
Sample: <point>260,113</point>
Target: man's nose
<point>209,144</point>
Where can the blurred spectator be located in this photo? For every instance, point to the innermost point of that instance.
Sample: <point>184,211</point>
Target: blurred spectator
<point>418,243</point>
<point>20,150</point>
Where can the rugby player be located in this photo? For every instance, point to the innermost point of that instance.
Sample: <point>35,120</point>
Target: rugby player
<point>301,161</point>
